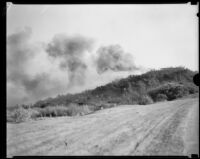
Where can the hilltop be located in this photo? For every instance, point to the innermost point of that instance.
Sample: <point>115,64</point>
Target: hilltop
<point>164,84</point>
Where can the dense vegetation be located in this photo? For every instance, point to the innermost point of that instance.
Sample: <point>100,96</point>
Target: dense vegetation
<point>132,90</point>
<point>20,114</point>
<point>153,86</point>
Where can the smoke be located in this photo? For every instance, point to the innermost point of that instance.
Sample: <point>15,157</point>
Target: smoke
<point>114,58</point>
<point>71,51</point>
<point>25,81</point>
<point>18,56</point>
<point>66,64</point>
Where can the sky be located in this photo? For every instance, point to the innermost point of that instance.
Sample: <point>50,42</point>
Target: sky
<point>59,49</point>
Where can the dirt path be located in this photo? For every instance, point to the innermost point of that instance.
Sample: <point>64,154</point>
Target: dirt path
<point>168,128</point>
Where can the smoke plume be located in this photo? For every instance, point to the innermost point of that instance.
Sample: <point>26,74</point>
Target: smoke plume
<point>26,82</point>
<point>70,51</point>
<point>114,58</point>
<point>18,55</point>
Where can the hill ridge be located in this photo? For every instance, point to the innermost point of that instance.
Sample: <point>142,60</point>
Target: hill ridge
<point>129,90</point>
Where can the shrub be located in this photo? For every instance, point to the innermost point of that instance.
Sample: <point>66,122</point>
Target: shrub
<point>161,97</point>
<point>145,99</point>
<point>40,112</point>
<point>9,116</point>
<point>171,91</point>
<point>86,109</point>
<point>52,111</point>
<point>46,112</point>
<point>73,109</point>
<point>132,98</point>
<point>34,113</point>
<point>192,89</point>
<point>61,111</point>
<point>19,115</point>
<point>92,107</point>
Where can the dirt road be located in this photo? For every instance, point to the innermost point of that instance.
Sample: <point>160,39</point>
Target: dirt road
<point>167,128</point>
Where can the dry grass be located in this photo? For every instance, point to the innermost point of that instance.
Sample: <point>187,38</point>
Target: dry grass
<point>21,114</point>
<point>18,115</point>
<point>159,129</point>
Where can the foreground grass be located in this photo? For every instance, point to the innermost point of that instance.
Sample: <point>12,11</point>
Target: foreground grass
<point>21,114</point>
<point>164,128</point>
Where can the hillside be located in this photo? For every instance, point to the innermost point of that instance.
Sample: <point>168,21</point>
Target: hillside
<point>164,128</point>
<point>136,89</point>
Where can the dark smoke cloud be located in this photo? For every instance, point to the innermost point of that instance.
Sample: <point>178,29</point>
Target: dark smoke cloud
<point>114,58</point>
<point>18,55</point>
<point>33,83</point>
<point>20,52</point>
<point>74,46</point>
<point>70,50</point>
<point>17,52</point>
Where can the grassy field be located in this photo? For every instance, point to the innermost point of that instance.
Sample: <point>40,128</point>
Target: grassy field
<point>164,128</point>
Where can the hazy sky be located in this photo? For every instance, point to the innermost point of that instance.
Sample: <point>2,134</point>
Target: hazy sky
<point>149,36</point>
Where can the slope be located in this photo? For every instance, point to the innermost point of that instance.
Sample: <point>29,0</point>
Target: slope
<point>134,89</point>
